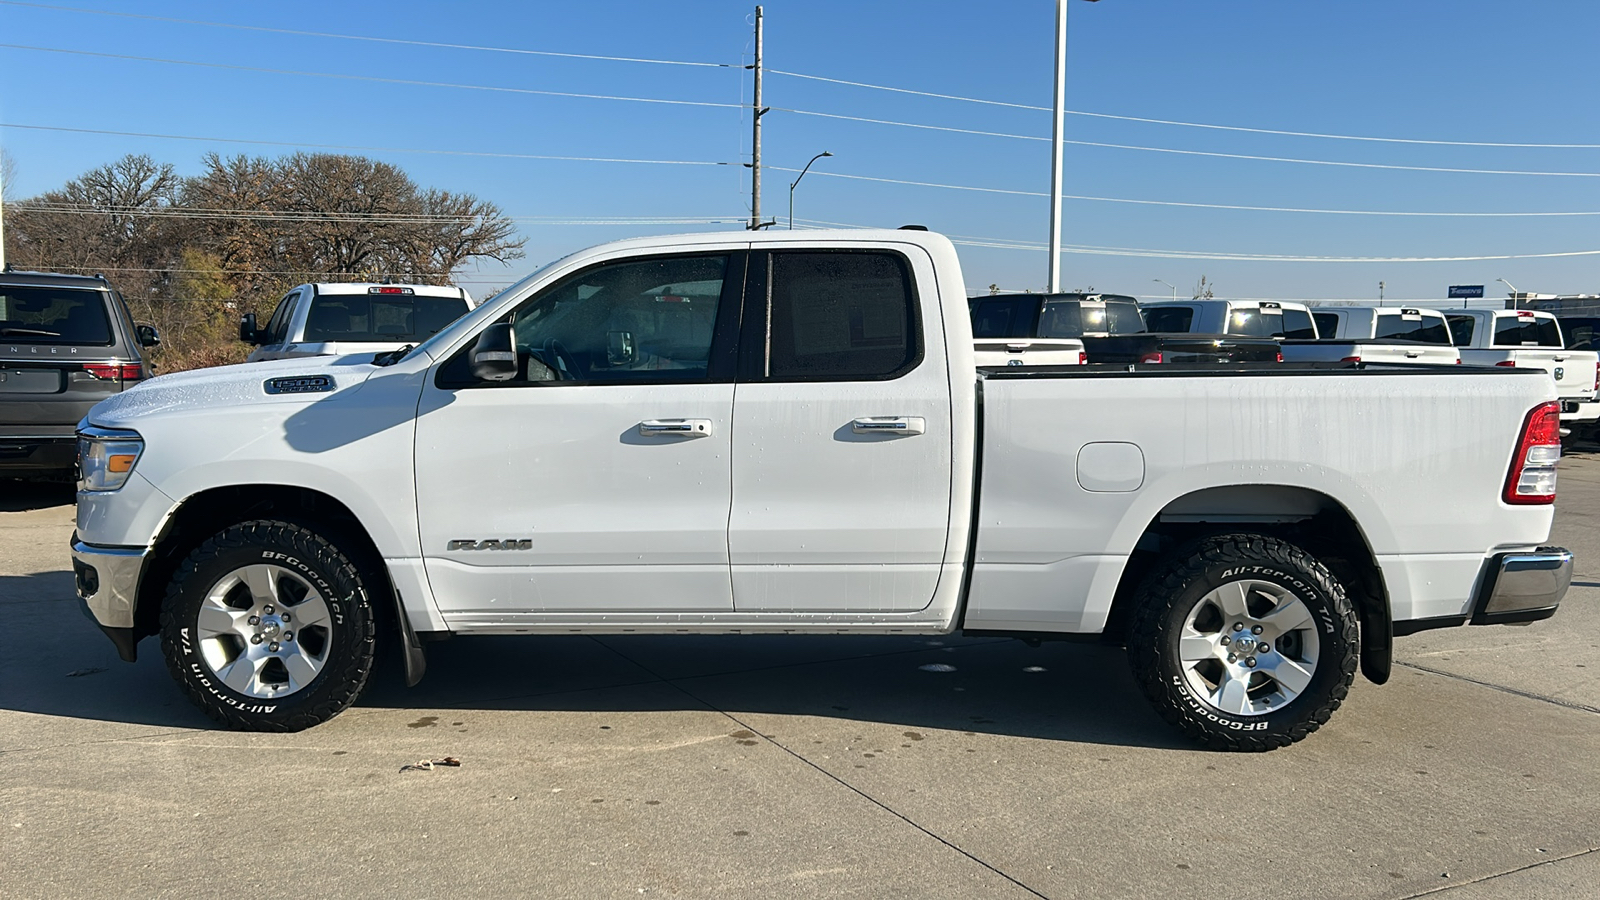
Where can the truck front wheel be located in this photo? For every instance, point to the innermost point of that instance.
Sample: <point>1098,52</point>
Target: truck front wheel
<point>268,627</point>
<point>1244,642</point>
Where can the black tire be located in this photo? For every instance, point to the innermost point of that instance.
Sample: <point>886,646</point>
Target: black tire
<point>344,645</point>
<point>1178,588</point>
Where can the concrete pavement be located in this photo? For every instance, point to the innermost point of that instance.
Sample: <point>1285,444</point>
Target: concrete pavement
<point>793,767</point>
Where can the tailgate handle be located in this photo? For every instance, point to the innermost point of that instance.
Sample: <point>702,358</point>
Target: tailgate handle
<point>889,425</point>
<point>1413,354</point>
<point>1561,359</point>
<point>675,427</point>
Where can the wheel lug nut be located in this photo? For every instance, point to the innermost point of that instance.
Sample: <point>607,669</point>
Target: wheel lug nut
<point>1257,630</point>
<point>268,610</point>
<point>255,638</point>
<point>1251,662</point>
<point>1238,626</point>
<point>288,635</point>
<point>1263,647</point>
<point>1232,658</point>
<point>1226,640</point>
<point>255,620</point>
<point>284,617</point>
<point>274,648</point>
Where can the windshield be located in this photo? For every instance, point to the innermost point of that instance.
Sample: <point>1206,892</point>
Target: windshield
<point>1422,329</point>
<point>362,318</point>
<point>49,315</point>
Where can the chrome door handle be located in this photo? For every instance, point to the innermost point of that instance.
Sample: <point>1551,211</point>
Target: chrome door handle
<point>889,425</point>
<point>675,427</point>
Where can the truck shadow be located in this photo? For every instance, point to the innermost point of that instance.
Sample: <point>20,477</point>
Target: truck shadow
<point>17,495</point>
<point>58,664</point>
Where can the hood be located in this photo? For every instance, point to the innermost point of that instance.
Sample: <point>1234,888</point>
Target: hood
<point>284,381</point>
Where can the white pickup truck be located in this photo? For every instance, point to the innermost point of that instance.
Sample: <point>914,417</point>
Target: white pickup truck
<point>1377,334</point>
<point>785,432</point>
<point>1254,318</point>
<point>1525,338</point>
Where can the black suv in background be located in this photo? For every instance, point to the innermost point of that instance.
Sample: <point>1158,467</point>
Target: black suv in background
<point>66,343</point>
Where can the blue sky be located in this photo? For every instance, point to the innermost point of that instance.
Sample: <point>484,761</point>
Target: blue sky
<point>1441,70</point>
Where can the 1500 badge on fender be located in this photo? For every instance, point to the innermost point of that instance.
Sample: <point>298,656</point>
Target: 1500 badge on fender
<point>524,544</point>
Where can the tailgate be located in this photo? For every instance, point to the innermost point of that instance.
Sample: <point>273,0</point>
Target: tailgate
<point>1415,354</point>
<point>34,396</point>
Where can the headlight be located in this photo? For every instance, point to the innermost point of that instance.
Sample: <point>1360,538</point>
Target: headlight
<point>106,457</point>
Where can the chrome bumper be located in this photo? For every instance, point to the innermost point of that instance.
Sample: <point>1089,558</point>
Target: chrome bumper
<point>1523,587</point>
<point>108,581</point>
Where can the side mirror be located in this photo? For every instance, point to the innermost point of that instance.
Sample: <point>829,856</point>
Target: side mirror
<point>148,336</point>
<point>620,349</point>
<point>247,329</point>
<point>494,356</point>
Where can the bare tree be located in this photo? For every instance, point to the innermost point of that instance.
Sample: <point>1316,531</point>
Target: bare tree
<point>1204,290</point>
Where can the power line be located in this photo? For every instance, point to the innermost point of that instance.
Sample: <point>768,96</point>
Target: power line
<point>1282,159</point>
<point>312,146</point>
<point>1153,121</point>
<point>360,37</point>
<point>1178,203</point>
<point>373,78</point>
<point>1092,250</point>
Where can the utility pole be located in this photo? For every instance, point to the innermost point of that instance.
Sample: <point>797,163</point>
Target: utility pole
<point>755,136</point>
<point>2,218</point>
<point>1054,285</point>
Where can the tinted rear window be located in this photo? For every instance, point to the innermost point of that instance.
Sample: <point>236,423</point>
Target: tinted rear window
<point>1074,318</point>
<point>1423,329</point>
<point>1580,333</point>
<point>1297,325</point>
<point>1526,331</point>
<point>1004,318</point>
<point>1256,322</point>
<point>841,317</point>
<point>46,315</point>
<point>1176,319</point>
<point>1327,324</point>
<point>380,319</point>
<point>1461,329</point>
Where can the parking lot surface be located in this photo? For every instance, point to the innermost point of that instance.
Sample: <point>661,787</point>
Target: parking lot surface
<point>793,766</point>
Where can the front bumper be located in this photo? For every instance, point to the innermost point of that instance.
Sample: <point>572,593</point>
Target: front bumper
<point>108,581</point>
<point>1522,587</point>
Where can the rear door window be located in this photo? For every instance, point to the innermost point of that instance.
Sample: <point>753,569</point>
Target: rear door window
<point>1526,331</point>
<point>379,318</point>
<point>1169,319</point>
<point>1421,329</point>
<point>51,315</point>
<point>840,316</point>
<point>1461,329</point>
<point>1327,324</point>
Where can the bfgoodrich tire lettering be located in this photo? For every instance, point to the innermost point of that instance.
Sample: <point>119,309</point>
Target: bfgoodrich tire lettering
<point>1244,642</point>
<point>268,626</point>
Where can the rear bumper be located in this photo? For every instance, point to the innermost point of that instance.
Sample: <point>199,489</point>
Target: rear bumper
<point>1522,587</point>
<point>33,453</point>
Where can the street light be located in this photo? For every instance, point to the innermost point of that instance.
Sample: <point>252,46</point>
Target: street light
<point>1170,285</point>
<point>1513,291</point>
<point>797,181</point>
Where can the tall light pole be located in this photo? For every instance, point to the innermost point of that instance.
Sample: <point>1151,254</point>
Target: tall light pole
<point>1056,144</point>
<point>796,182</point>
<point>1513,292</point>
<point>1170,285</point>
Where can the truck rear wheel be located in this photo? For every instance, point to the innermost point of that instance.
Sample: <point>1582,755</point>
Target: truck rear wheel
<point>268,627</point>
<point>1244,642</point>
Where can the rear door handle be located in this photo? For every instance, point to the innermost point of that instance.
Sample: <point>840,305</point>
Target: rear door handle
<point>889,425</point>
<point>675,427</point>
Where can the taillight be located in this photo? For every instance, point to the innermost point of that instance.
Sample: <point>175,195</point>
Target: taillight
<point>1351,359</point>
<point>1280,356</point>
<point>1596,365</point>
<point>1532,479</point>
<point>1506,364</point>
<point>1151,357</point>
<point>1083,360</point>
<point>112,371</point>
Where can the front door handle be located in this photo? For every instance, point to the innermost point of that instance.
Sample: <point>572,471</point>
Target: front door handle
<point>889,425</point>
<point>675,428</point>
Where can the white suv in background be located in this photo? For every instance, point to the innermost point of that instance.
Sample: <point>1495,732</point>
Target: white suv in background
<point>341,319</point>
